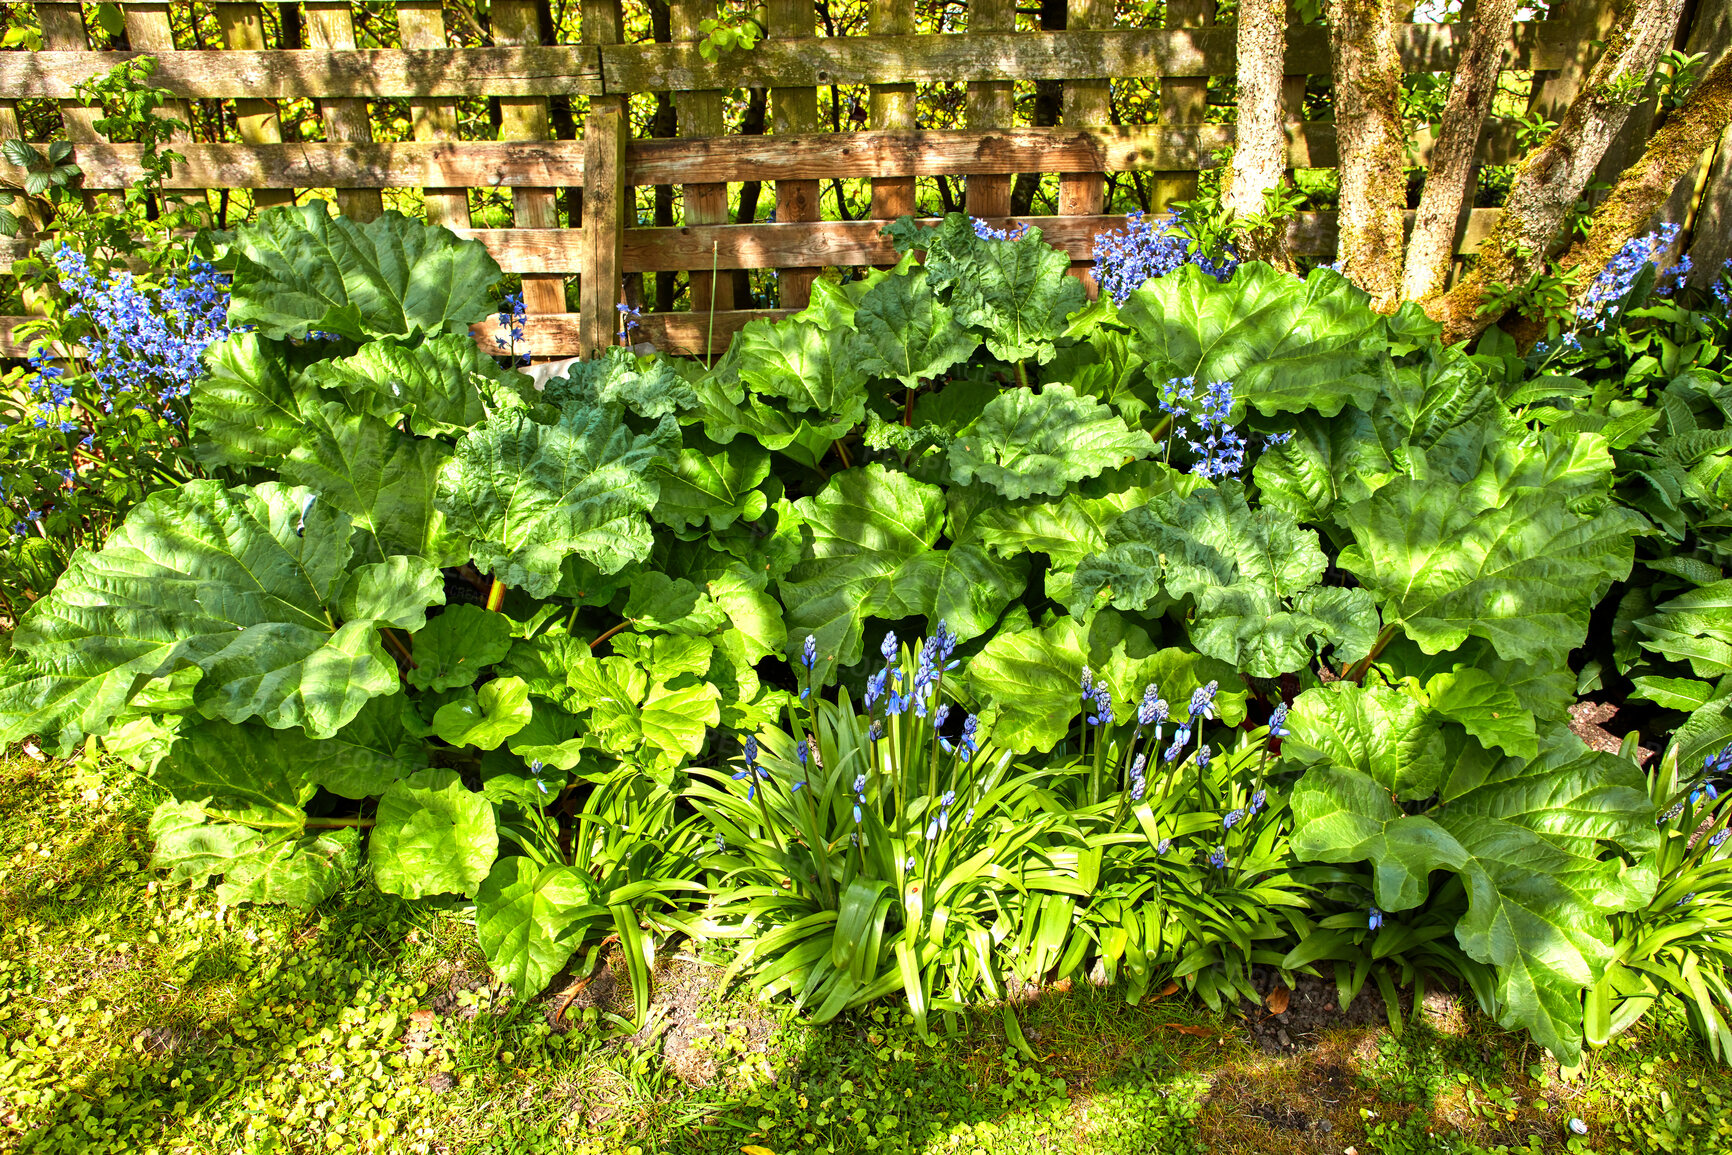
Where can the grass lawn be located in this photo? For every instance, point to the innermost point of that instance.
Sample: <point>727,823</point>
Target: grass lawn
<point>139,1017</point>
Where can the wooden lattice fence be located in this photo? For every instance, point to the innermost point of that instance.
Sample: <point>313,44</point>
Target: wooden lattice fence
<point>793,63</point>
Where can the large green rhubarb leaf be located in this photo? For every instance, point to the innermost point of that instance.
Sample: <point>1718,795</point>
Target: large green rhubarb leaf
<point>431,836</point>
<point>1523,576</point>
<point>524,916</point>
<point>445,385</point>
<point>530,495</point>
<point>457,645</point>
<point>870,551</point>
<point>301,870</point>
<point>1018,293</point>
<point>1287,345</point>
<point>650,387</point>
<point>1253,575</point>
<point>1528,838</point>
<point>1028,443</point>
<point>807,366</point>
<point>301,269</point>
<point>713,483</point>
<point>246,410</point>
<point>903,332</point>
<point>246,584</point>
<point>1066,530</point>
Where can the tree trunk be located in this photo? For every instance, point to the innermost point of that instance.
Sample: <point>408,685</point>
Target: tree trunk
<point>1710,230</point>
<point>1672,151</point>
<point>1260,142</point>
<point>1431,248</point>
<point>1369,134</point>
<point>1549,179</point>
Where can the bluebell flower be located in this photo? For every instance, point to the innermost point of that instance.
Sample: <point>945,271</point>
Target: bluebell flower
<point>1175,395</point>
<point>800,751</point>
<point>1218,859</point>
<point>874,730</point>
<point>940,715</point>
<point>1686,899</point>
<point>1258,801</point>
<point>1232,818</point>
<point>1145,249</point>
<point>512,317</point>
<point>968,742</point>
<point>535,768</point>
<point>1717,839</point>
<point>1374,920</point>
<point>909,865</point>
<point>888,648</point>
<point>1722,286</point>
<point>1181,739</point>
<point>987,233</point>
<point>1139,783</point>
<point>1706,788</point>
<point>1278,721</point>
<point>629,319</point>
<point>1103,715</point>
<point>1221,452</point>
<point>1604,297</point>
<point>1088,685</point>
<point>1152,710</point>
<point>751,747</point>
<point>720,844</point>
<point>874,689</point>
<point>1163,845</point>
<point>1204,753</point>
<point>809,652</point>
<point>859,796</point>
<point>1203,701</point>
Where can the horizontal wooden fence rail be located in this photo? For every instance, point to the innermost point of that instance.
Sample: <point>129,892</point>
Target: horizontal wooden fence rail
<point>603,255</point>
<point>812,156</point>
<point>592,70</point>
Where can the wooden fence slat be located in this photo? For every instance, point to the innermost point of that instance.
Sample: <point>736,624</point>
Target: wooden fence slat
<point>990,106</point>
<point>892,108</point>
<point>833,243</point>
<point>1185,100</point>
<point>256,118</point>
<point>706,202</point>
<point>1087,104</point>
<point>331,25</point>
<point>793,112</point>
<point>605,204</point>
<point>885,59</point>
<point>604,207</point>
<point>931,152</point>
<point>575,70</point>
<point>525,118</point>
<point>421,24</point>
<point>63,29</point>
<point>149,29</point>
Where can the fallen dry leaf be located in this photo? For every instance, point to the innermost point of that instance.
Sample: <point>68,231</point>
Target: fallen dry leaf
<point>1278,1000</point>
<point>1187,1029</point>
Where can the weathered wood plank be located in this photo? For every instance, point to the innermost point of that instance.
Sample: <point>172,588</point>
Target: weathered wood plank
<point>990,106</point>
<point>1185,100</point>
<point>686,334</point>
<point>793,112</point>
<point>148,29</point>
<point>525,118</point>
<point>604,208</point>
<point>799,157</point>
<point>256,118</point>
<point>365,72</point>
<point>881,59</point>
<point>578,70</point>
<point>421,24</point>
<point>892,107</point>
<point>63,29</point>
<point>834,243</point>
<point>1087,104</point>
<point>331,25</point>
<point>706,200</point>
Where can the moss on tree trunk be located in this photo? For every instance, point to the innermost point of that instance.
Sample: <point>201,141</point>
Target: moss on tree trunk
<point>1362,46</point>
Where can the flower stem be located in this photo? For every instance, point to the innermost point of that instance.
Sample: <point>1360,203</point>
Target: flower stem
<point>496,595</point>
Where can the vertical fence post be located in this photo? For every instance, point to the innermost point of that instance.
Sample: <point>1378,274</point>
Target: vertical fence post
<point>893,108</point>
<point>1087,104</point>
<point>605,204</point>
<point>990,106</point>
<point>794,110</point>
<point>1184,100</point>
<point>525,118</point>
<point>421,24</point>
<point>148,29</point>
<point>330,25</point>
<point>700,115</point>
<point>243,27</point>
